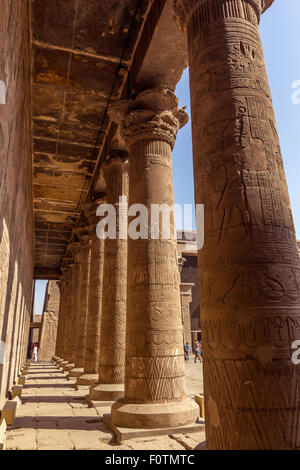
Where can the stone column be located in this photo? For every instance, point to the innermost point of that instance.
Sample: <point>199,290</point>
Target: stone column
<point>113,317</point>
<point>92,344</point>
<point>84,259</point>
<point>186,299</point>
<point>249,266</point>
<point>68,273</point>
<point>62,303</point>
<point>154,378</point>
<point>75,249</point>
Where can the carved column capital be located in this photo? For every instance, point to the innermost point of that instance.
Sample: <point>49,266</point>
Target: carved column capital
<point>210,9</point>
<point>154,113</point>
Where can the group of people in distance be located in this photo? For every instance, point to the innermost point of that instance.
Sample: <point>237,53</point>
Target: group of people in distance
<point>197,351</point>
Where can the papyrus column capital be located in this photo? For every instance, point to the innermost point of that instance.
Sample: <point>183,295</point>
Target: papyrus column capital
<point>185,9</point>
<point>153,114</point>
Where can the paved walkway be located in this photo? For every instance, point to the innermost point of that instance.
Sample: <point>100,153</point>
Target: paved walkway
<point>54,416</point>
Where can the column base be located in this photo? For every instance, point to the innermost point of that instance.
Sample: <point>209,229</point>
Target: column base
<point>121,434</point>
<point>76,372</point>
<point>67,367</point>
<point>87,379</point>
<point>154,415</point>
<point>106,392</point>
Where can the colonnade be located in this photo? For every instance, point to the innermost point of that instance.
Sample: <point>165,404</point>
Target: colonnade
<point>126,340</point>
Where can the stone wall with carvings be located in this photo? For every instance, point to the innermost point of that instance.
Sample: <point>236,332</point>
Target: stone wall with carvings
<point>16,252</point>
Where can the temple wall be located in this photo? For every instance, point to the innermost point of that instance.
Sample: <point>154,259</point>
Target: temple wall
<point>16,244</point>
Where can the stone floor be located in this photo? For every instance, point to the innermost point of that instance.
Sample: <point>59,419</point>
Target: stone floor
<point>54,416</point>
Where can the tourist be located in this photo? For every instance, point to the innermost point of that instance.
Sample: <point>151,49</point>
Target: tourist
<point>35,353</point>
<point>197,351</point>
<point>187,349</point>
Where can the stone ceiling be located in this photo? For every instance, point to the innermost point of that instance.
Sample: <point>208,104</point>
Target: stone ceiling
<point>80,49</point>
<point>81,52</point>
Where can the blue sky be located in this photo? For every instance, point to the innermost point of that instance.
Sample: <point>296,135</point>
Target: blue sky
<point>279,29</point>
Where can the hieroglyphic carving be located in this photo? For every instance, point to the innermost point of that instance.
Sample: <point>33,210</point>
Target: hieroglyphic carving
<point>248,268</point>
<point>154,337</point>
<point>92,344</point>
<point>68,271</point>
<point>75,249</point>
<point>61,316</point>
<point>85,257</point>
<point>114,294</point>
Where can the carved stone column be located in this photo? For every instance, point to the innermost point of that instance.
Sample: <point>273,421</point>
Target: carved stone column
<point>68,273</point>
<point>58,349</point>
<point>92,344</point>
<point>84,258</point>
<point>154,378</point>
<point>249,266</point>
<point>186,299</point>
<point>75,249</point>
<point>113,316</point>
<point>61,317</point>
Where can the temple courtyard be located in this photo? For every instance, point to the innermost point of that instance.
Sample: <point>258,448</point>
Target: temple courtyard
<point>55,416</point>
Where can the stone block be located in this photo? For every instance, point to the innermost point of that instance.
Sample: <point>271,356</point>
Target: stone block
<point>8,412</point>
<point>200,400</point>
<point>16,391</point>
<point>18,401</point>
<point>21,380</point>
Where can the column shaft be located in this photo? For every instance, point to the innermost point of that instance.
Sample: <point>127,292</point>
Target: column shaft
<point>84,259</point>
<point>67,326</point>
<point>73,332</point>
<point>186,299</point>
<point>154,378</point>
<point>249,266</point>
<point>113,316</point>
<point>62,302</point>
